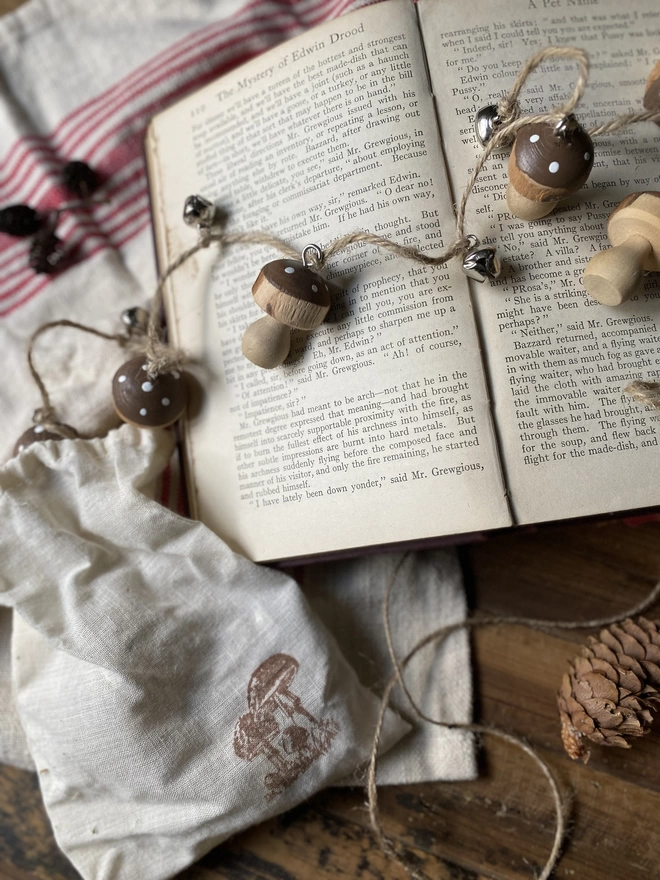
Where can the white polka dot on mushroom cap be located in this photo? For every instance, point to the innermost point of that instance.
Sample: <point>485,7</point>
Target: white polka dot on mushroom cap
<point>176,374</point>
<point>533,139</point>
<point>587,156</point>
<point>39,429</point>
<point>144,366</point>
<point>553,167</point>
<point>165,401</point>
<point>121,379</point>
<point>21,447</point>
<point>289,270</point>
<point>147,386</point>
<point>143,412</point>
<point>314,288</point>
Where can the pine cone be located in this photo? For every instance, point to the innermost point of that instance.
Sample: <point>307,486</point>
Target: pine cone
<point>611,692</point>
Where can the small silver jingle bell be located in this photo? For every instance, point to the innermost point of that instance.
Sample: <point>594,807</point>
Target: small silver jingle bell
<point>481,261</point>
<point>136,321</point>
<point>486,122</point>
<point>198,211</point>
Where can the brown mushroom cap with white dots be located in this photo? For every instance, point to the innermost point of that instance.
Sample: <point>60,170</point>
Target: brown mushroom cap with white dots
<point>39,433</point>
<point>292,294</point>
<point>145,401</point>
<point>546,166</point>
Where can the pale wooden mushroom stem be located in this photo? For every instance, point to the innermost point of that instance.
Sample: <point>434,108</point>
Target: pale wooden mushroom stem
<point>613,276</point>
<point>633,228</point>
<point>266,342</point>
<point>526,209</point>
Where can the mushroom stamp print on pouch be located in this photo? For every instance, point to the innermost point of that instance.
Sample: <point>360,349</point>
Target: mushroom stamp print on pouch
<point>278,726</point>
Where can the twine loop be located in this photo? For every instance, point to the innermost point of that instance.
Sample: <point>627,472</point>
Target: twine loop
<point>44,415</point>
<point>646,393</point>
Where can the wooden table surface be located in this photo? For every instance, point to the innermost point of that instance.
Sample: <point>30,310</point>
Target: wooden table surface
<point>499,827</point>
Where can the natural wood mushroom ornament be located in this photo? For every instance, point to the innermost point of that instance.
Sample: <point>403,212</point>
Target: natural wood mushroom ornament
<point>548,163</point>
<point>41,433</point>
<point>148,401</point>
<point>293,296</point>
<point>612,276</point>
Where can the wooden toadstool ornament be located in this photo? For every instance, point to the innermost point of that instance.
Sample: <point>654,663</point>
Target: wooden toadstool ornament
<point>293,296</point>
<point>548,163</point>
<point>652,91</point>
<point>148,401</point>
<point>612,276</point>
<point>39,433</point>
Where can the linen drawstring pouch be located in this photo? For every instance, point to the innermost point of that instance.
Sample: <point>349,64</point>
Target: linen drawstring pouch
<point>172,692</point>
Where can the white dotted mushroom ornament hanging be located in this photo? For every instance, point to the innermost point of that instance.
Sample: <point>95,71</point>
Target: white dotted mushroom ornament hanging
<point>548,163</point>
<point>148,401</point>
<point>293,297</point>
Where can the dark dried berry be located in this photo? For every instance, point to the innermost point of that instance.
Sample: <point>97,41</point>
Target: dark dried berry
<point>19,220</point>
<point>80,179</point>
<point>46,252</point>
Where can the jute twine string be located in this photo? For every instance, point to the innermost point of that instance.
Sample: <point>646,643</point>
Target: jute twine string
<point>161,358</point>
<point>45,414</point>
<point>646,393</point>
<point>437,637</point>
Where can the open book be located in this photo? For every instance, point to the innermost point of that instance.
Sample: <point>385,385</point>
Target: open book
<point>426,404</point>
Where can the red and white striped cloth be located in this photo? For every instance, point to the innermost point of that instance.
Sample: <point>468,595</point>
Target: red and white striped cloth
<point>81,80</point>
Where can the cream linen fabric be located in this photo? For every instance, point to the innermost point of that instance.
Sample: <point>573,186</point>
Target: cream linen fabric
<point>172,692</point>
<point>13,745</point>
<point>348,596</point>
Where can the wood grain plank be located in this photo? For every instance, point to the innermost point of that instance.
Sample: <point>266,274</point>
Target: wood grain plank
<point>9,5</point>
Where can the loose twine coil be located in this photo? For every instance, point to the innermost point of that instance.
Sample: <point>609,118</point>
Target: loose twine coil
<point>437,637</point>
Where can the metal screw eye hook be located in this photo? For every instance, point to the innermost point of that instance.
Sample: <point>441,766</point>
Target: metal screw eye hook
<point>317,260</point>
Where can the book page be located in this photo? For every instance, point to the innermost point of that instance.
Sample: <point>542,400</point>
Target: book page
<point>377,429</point>
<point>573,443</point>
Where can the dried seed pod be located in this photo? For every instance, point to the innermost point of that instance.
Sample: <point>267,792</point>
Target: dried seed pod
<point>614,275</point>
<point>148,402</point>
<point>46,252</point>
<point>20,220</point>
<point>80,179</point>
<point>652,90</point>
<point>547,163</point>
<point>38,433</point>
<point>292,296</point>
